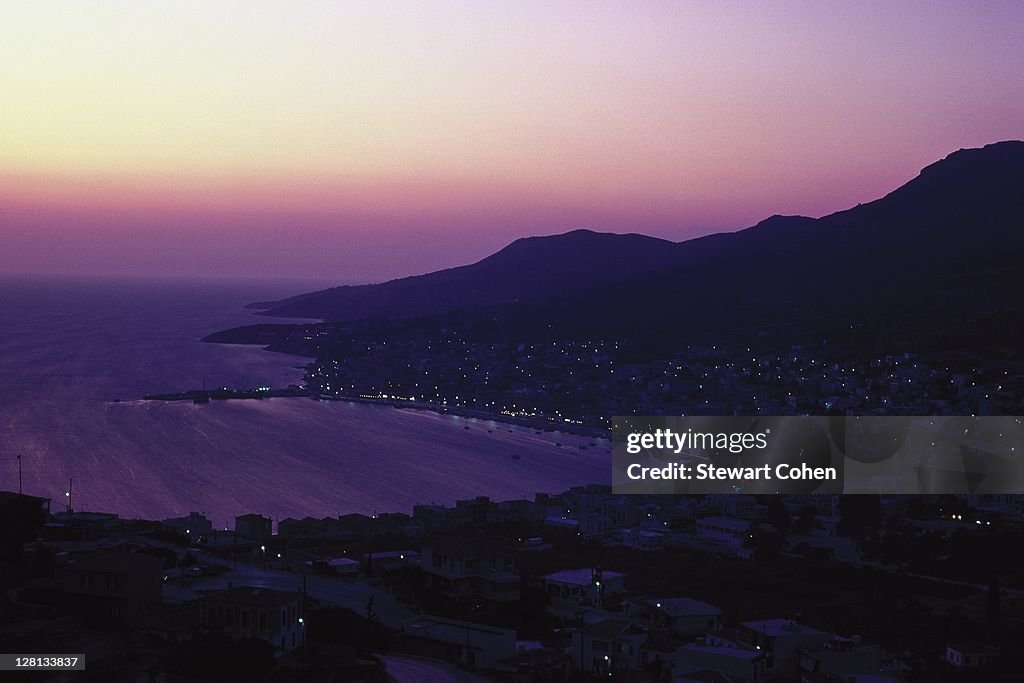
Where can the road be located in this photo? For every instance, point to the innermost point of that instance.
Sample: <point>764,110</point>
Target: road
<point>351,594</point>
<point>405,669</point>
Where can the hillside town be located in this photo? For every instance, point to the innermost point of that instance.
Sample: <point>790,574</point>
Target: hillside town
<point>587,382</point>
<point>577,586</point>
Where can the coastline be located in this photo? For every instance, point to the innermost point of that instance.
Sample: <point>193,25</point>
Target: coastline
<point>200,396</point>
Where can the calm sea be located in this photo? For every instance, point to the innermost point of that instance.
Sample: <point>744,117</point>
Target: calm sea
<point>70,347</point>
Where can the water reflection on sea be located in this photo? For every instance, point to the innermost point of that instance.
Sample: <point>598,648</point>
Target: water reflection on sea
<point>69,348</point>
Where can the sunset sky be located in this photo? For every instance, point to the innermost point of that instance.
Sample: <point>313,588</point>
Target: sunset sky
<point>360,141</point>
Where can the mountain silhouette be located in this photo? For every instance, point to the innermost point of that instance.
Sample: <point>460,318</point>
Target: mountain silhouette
<point>936,261</point>
<point>527,268</point>
<point>925,263</point>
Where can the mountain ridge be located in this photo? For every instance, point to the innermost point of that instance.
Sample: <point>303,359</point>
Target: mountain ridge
<point>527,267</point>
<point>944,245</point>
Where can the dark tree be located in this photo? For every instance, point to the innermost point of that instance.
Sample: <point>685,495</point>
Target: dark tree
<point>992,611</point>
<point>778,515</point>
<point>805,519</point>
<point>859,514</point>
<point>216,657</point>
<point>22,517</point>
<point>344,626</point>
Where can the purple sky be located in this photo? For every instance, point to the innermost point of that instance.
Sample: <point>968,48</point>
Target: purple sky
<point>362,141</point>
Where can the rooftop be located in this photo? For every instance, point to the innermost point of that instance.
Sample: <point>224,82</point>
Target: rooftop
<point>451,630</point>
<point>726,522</point>
<point>682,607</point>
<point>580,577</point>
<point>252,517</point>
<point>467,548</point>
<point>707,676</point>
<point>974,648</point>
<point>608,629</point>
<point>115,562</point>
<point>11,498</point>
<point>394,554</point>
<point>248,596</point>
<point>780,627</point>
<point>734,652</point>
<point>336,562</point>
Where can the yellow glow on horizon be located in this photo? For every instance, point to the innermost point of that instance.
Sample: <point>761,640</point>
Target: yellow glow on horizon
<point>247,89</point>
<point>711,112</point>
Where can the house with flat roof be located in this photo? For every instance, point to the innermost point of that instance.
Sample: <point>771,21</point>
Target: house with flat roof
<point>728,530</point>
<point>970,655</point>
<point>255,528</point>
<point>585,586</point>
<point>533,665</point>
<point>194,525</point>
<point>684,617</point>
<point>471,568</point>
<point>608,645</point>
<point>112,586</point>
<point>474,646</point>
<point>643,540</point>
<point>844,658</point>
<point>343,566</point>
<point>736,664</point>
<point>705,676</point>
<point>248,612</point>
<point>389,560</point>
<point>781,640</point>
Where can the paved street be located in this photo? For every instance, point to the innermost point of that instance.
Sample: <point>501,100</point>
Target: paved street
<point>406,669</point>
<point>351,594</point>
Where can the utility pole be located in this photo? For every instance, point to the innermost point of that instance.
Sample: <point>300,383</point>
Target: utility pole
<point>68,494</point>
<point>19,474</point>
<point>582,669</point>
